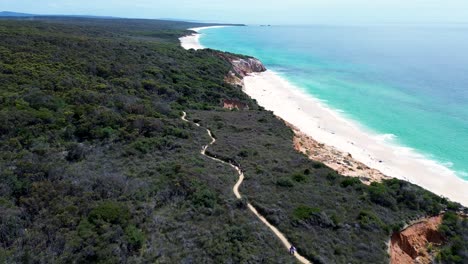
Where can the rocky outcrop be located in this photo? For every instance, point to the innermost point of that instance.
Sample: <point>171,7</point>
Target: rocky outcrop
<point>233,79</point>
<point>413,244</point>
<point>246,66</point>
<point>241,67</point>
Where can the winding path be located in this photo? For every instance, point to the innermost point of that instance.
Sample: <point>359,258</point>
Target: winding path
<point>235,189</point>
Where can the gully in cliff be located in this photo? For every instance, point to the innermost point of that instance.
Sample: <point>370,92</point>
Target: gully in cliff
<point>411,244</point>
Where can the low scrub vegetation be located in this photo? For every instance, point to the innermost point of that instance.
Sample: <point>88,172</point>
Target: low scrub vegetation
<point>455,230</point>
<point>96,165</point>
<point>330,218</point>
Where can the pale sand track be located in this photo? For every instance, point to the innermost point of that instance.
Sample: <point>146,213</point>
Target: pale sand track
<point>235,189</point>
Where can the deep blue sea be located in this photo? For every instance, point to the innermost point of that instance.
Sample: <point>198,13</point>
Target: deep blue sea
<point>410,81</point>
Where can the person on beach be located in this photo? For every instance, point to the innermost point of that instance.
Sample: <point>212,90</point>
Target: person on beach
<point>292,250</point>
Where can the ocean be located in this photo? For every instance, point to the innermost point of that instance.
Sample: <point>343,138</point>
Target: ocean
<point>408,83</point>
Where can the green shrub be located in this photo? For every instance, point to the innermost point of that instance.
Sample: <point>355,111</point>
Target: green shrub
<point>332,176</point>
<point>204,197</point>
<point>259,169</point>
<point>349,181</point>
<point>453,206</point>
<point>148,145</point>
<point>110,212</point>
<point>177,132</point>
<point>86,229</point>
<point>285,182</point>
<point>318,165</point>
<point>304,212</point>
<point>149,85</point>
<point>368,219</point>
<point>134,237</point>
<point>243,153</point>
<point>76,152</point>
<point>236,234</point>
<point>336,219</point>
<point>104,132</point>
<point>299,177</point>
<point>4,254</point>
<point>379,194</point>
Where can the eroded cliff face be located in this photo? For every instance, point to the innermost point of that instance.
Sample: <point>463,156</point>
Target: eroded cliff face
<point>241,67</point>
<point>244,67</point>
<point>234,104</point>
<point>411,245</point>
<point>234,79</point>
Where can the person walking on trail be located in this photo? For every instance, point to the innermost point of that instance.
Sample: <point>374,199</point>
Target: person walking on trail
<point>292,250</point>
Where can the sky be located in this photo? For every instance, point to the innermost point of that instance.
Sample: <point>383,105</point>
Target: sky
<point>258,11</point>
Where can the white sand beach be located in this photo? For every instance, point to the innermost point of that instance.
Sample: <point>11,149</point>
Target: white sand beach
<point>328,126</point>
<point>324,125</point>
<point>193,41</point>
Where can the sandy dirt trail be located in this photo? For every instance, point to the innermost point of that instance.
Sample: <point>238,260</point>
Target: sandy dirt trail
<point>235,189</point>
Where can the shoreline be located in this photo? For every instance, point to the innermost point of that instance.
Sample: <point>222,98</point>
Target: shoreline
<point>329,127</point>
<point>324,125</point>
<point>193,41</point>
<point>342,162</point>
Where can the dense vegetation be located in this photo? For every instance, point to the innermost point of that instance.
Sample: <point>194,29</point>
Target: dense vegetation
<point>455,231</point>
<point>97,167</point>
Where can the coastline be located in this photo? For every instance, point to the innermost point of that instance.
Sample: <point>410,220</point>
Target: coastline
<point>315,119</point>
<point>193,41</point>
<point>342,162</point>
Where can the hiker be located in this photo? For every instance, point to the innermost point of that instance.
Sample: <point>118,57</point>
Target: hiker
<point>292,250</point>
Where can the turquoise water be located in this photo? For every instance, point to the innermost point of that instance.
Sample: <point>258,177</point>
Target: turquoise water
<point>407,81</point>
